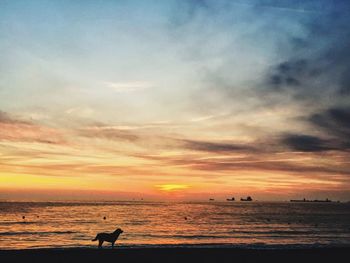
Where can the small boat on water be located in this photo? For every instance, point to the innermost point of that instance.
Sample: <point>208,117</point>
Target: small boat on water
<point>230,199</point>
<point>211,199</point>
<point>248,199</point>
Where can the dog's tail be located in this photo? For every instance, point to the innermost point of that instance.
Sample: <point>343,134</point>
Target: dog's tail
<point>94,239</point>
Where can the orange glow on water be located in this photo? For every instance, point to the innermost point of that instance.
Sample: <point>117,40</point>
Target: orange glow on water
<point>73,224</point>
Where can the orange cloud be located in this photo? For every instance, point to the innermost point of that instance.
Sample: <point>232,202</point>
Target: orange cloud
<point>17,130</point>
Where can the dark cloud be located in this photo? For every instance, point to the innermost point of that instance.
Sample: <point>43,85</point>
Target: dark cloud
<point>317,72</point>
<point>334,121</point>
<point>320,61</point>
<point>214,146</point>
<point>306,143</point>
<point>289,74</point>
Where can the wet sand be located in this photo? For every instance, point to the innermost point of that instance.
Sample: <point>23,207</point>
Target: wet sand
<point>176,255</point>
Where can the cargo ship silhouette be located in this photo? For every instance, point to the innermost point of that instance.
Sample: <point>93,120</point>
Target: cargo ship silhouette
<point>248,199</point>
<point>314,201</point>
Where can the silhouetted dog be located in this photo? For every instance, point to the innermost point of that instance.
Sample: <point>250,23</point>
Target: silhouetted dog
<point>108,237</point>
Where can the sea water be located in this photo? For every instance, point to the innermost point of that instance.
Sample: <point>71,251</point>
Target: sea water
<point>241,224</point>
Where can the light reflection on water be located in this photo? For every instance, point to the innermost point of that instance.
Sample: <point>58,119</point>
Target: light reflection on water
<point>145,223</point>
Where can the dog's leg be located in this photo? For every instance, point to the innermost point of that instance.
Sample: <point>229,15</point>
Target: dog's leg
<point>112,244</point>
<point>100,242</point>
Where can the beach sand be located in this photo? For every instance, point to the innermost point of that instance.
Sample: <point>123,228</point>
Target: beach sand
<point>176,255</point>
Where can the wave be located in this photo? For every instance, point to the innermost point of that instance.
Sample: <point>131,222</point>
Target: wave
<point>20,223</point>
<point>235,234</point>
<point>36,233</point>
<point>276,232</point>
<point>259,245</point>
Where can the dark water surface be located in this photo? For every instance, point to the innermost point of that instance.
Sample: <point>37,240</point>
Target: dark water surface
<point>255,224</point>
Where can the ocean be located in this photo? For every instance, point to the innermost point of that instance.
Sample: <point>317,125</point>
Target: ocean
<point>236,224</point>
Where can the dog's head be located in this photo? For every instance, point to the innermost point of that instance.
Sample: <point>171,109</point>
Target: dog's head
<point>118,231</point>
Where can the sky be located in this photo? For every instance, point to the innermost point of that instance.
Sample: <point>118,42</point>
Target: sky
<point>183,100</point>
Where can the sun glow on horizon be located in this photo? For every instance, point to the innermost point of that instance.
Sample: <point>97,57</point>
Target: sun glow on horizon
<point>172,187</point>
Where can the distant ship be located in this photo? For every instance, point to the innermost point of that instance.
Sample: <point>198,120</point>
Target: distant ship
<point>211,199</point>
<point>230,199</point>
<point>248,199</point>
<point>314,201</point>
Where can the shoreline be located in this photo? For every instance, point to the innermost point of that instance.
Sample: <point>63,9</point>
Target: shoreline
<point>176,254</point>
<point>252,246</point>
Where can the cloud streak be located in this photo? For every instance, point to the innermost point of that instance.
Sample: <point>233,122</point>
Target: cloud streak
<point>215,147</point>
<point>17,130</point>
<point>128,86</point>
<point>108,133</point>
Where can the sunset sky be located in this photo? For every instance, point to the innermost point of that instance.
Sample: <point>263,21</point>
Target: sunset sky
<point>174,99</point>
